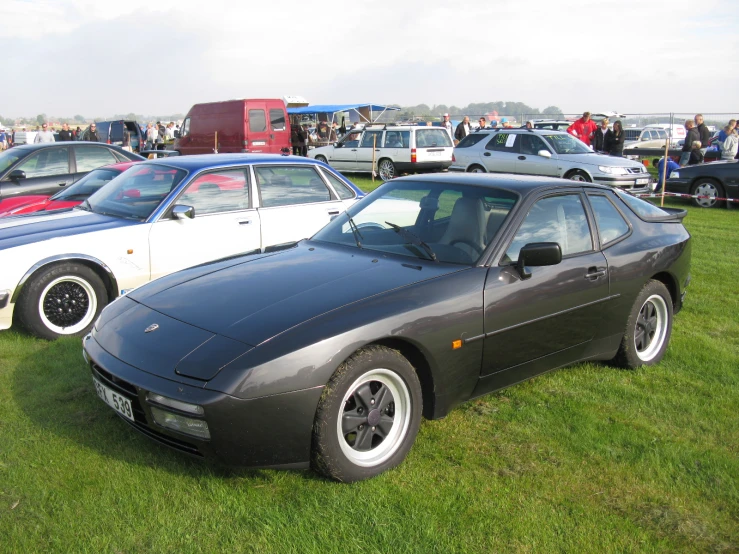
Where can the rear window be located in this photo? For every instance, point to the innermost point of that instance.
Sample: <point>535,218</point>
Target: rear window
<point>471,140</point>
<point>257,121</point>
<point>277,119</point>
<point>642,208</point>
<point>429,138</point>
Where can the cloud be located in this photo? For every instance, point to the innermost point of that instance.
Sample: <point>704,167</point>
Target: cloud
<point>101,58</point>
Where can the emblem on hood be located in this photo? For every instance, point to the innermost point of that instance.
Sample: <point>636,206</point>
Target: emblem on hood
<point>152,327</point>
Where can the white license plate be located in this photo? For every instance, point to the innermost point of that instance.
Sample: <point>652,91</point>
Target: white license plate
<point>434,154</point>
<point>119,403</point>
<point>642,181</point>
<point>259,143</point>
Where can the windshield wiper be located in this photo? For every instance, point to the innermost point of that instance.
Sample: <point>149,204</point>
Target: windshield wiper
<point>413,239</point>
<point>355,231</point>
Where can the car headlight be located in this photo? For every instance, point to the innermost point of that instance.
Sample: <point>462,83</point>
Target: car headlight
<point>612,170</point>
<point>674,175</point>
<point>194,426</point>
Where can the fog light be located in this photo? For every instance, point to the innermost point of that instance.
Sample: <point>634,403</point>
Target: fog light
<point>176,404</point>
<point>187,425</point>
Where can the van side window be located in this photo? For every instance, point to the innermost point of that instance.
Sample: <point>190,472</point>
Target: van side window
<point>277,119</point>
<point>257,121</point>
<point>185,130</point>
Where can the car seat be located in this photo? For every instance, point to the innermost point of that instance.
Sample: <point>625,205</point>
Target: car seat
<point>467,227</point>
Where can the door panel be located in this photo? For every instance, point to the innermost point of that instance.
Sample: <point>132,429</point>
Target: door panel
<point>369,149</point>
<point>500,154</point>
<point>257,127</point>
<point>529,161</point>
<point>47,172</point>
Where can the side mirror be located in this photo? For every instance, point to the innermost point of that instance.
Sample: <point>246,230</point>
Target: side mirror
<point>537,254</point>
<point>17,175</point>
<point>544,153</point>
<point>181,211</point>
<point>176,134</point>
<point>338,144</point>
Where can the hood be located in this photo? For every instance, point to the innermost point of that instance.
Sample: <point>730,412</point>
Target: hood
<point>251,299</point>
<point>22,204</point>
<point>600,159</point>
<point>27,229</point>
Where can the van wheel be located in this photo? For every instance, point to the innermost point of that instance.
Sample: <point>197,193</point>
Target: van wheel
<point>386,169</point>
<point>63,299</point>
<point>321,159</point>
<point>578,175</point>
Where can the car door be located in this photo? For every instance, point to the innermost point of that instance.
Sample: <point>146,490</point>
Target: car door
<point>46,172</point>
<point>501,153</point>
<point>278,134</point>
<point>530,162</point>
<point>548,319</point>
<point>344,154</point>
<point>369,151</point>
<point>294,202</point>
<point>256,123</point>
<point>89,156</point>
<point>224,223</point>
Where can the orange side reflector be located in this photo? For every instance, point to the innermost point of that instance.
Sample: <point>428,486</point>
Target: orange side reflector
<point>456,344</point>
<point>129,251</point>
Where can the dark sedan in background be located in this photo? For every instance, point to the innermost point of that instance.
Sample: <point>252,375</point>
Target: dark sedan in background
<point>710,183</point>
<point>428,292</point>
<point>45,168</point>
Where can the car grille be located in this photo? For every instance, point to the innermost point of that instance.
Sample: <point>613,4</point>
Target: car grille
<point>140,423</point>
<point>634,170</point>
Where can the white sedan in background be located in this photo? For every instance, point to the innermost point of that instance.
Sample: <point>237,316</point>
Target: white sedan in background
<point>60,270</point>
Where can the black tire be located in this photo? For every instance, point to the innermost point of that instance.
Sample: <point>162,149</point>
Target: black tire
<point>321,159</point>
<point>710,188</point>
<point>343,419</point>
<point>61,300</point>
<point>579,175</point>
<point>476,169</point>
<point>648,328</point>
<point>386,169</point>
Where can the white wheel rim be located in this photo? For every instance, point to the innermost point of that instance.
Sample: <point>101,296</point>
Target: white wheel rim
<point>476,170</point>
<point>86,318</point>
<point>578,177</point>
<point>401,419</point>
<point>386,170</point>
<point>706,189</point>
<point>656,330</point>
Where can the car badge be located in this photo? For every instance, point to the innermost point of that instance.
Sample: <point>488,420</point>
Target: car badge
<point>152,327</point>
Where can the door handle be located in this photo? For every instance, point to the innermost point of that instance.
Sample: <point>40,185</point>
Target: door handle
<point>244,221</point>
<point>62,184</point>
<point>594,273</point>
<point>486,154</point>
<point>354,149</point>
<point>522,157</point>
<point>333,212</point>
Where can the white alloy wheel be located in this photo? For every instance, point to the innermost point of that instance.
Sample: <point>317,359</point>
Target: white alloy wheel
<point>67,305</point>
<point>651,328</point>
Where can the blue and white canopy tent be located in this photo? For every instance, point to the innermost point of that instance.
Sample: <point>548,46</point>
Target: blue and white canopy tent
<point>358,113</point>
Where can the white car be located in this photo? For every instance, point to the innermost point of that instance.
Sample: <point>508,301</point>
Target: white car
<point>391,149</point>
<point>59,270</point>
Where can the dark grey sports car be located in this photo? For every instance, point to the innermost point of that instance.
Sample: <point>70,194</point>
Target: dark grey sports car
<point>430,291</point>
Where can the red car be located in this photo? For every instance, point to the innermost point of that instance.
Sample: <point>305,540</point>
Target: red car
<point>67,198</point>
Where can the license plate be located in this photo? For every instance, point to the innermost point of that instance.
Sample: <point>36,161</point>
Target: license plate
<point>642,181</point>
<point>119,403</point>
<point>434,154</point>
<point>259,143</point>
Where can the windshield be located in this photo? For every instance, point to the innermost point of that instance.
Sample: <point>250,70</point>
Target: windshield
<point>7,159</point>
<point>567,144</point>
<point>442,222</point>
<point>137,192</point>
<point>88,185</point>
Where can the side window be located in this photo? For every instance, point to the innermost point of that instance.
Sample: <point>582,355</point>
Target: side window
<point>611,224</point>
<point>50,161</point>
<point>531,144</point>
<point>277,119</point>
<point>185,130</point>
<point>398,139</point>
<point>371,139</point>
<point>92,157</point>
<point>504,142</point>
<point>559,219</point>
<point>289,185</point>
<point>218,192</point>
<point>341,188</point>
<point>257,121</point>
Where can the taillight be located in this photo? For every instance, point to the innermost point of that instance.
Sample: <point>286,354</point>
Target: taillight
<point>413,155</point>
<point>453,158</point>
<point>108,141</point>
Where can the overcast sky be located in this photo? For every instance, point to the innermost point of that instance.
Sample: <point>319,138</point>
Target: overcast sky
<point>101,57</point>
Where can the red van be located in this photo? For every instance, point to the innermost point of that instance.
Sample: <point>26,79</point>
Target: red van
<point>234,126</point>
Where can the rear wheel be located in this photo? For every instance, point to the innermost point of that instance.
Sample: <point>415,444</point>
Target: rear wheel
<point>579,175</point>
<point>386,169</point>
<point>707,191</point>
<point>321,159</point>
<point>63,299</point>
<point>368,416</point>
<point>648,328</point>
<point>476,169</point>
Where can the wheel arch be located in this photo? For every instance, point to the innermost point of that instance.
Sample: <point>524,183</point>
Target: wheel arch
<point>569,172</point>
<point>419,362</point>
<point>96,265</point>
<point>672,286</point>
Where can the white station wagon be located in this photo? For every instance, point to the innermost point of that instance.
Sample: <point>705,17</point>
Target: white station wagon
<point>394,149</point>
<point>59,270</point>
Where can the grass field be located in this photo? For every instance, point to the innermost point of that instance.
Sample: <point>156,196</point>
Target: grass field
<point>586,459</point>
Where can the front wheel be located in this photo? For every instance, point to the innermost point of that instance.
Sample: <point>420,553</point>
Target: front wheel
<point>367,417</point>
<point>386,169</point>
<point>61,300</point>
<point>321,159</point>
<point>648,328</point>
<point>580,176</point>
<point>707,192</point>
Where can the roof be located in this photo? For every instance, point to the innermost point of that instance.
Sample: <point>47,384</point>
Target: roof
<point>203,161</point>
<point>333,108</point>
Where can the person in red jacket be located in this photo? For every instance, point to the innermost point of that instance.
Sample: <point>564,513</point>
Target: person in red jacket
<point>583,128</point>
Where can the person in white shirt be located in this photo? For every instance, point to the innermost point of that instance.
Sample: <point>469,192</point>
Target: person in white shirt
<point>447,123</point>
<point>44,135</point>
<point>169,131</point>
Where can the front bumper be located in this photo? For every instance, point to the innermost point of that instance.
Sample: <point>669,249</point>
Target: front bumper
<point>6,310</point>
<point>626,182</point>
<point>271,431</point>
